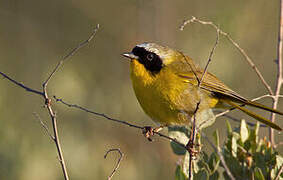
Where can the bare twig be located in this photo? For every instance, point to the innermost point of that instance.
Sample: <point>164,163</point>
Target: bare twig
<point>239,120</point>
<point>118,162</point>
<point>115,120</point>
<point>191,143</point>
<point>96,113</point>
<point>249,60</point>
<point>47,101</point>
<point>209,58</point>
<point>71,53</point>
<point>218,151</point>
<point>45,127</point>
<point>21,84</point>
<point>279,81</point>
<point>279,173</point>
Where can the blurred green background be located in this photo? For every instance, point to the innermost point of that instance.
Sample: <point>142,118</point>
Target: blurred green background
<point>35,35</point>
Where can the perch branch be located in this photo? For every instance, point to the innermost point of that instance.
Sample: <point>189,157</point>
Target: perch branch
<point>115,120</point>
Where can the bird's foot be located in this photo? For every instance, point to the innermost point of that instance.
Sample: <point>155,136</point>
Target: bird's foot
<point>148,131</point>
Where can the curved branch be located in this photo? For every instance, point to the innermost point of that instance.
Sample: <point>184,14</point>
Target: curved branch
<point>118,162</point>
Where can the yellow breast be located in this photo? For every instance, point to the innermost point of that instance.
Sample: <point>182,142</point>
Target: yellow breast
<point>158,94</point>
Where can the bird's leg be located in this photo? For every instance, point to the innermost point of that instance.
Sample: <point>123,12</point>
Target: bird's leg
<point>148,131</point>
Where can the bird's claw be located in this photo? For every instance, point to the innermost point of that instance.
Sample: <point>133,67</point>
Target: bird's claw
<point>148,131</point>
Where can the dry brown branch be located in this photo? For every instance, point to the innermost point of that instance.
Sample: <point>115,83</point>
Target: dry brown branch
<point>279,78</point>
<point>21,85</point>
<point>114,120</point>
<point>191,144</point>
<point>118,162</point>
<point>249,60</point>
<point>47,102</point>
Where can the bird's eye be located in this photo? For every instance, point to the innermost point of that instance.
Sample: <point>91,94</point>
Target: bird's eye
<point>150,56</point>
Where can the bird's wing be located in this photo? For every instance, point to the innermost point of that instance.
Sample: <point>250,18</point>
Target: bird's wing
<point>191,73</point>
<point>186,69</point>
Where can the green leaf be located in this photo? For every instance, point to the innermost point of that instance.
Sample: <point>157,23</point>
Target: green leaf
<point>234,146</point>
<point>181,135</point>
<point>229,128</point>
<point>177,149</point>
<point>179,174</point>
<point>256,129</point>
<point>258,174</point>
<point>216,138</point>
<point>213,162</point>
<point>244,132</point>
<point>214,176</point>
<point>186,164</point>
<point>201,175</point>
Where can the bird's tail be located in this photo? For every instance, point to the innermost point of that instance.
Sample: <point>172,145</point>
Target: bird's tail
<point>254,115</point>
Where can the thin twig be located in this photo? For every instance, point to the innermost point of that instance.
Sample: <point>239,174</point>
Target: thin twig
<point>249,60</point>
<point>71,53</point>
<point>45,127</point>
<point>279,173</point>
<point>193,68</point>
<point>114,120</point>
<point>47,101</point>
<point>96,113</point>
<point>279,78</point>
<point>21,85</point>
<point>191,142</point>
<point>217,150</point>
<point>118,162</point>
<point>239,120</point>
<point>209,58</point>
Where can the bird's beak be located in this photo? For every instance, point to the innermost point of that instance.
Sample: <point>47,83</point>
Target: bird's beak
<point>130,55</point>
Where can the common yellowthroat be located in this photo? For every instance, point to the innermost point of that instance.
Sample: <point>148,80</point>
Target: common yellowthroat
<point>166,84</point>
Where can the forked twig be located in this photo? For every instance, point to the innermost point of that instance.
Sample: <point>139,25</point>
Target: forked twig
<point>242,51</point>
<point>47,102</point>
<point>71,53</point>
<point>118,162</point>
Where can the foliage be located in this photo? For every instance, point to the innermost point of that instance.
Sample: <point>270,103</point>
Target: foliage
<point>246,155</point>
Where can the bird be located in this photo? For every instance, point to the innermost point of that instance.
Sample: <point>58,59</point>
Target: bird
<point>169,86</point>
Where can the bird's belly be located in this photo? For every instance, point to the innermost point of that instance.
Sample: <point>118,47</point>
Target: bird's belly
<point>161,102</point>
